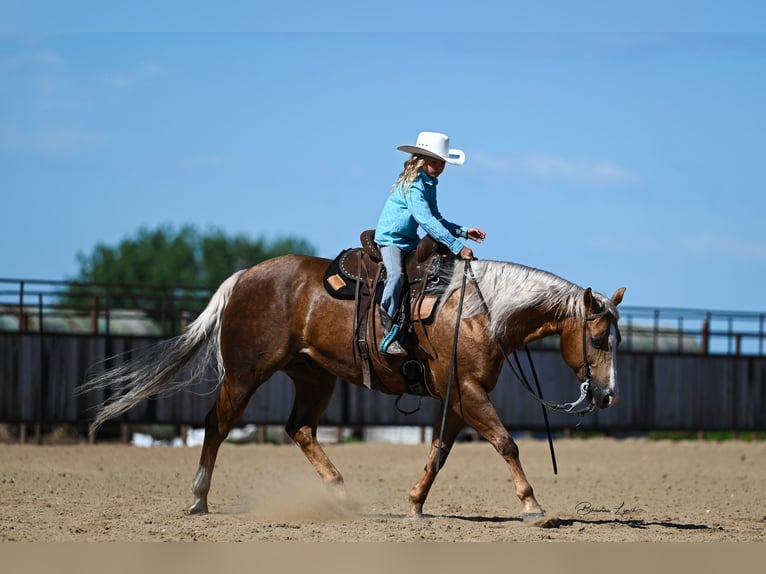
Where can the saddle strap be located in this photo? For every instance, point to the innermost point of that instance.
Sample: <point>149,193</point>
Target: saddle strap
<point>417,315</point>
<point>364,318</point>
<point>360,321</point>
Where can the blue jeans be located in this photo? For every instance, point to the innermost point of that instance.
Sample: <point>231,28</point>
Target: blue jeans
<point>393,260</point>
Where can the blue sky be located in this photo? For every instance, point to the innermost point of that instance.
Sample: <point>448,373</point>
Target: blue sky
<point>612,143</point>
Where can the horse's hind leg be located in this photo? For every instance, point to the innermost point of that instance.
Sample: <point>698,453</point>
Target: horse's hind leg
<point>313,392</point>
<point>231,404</point>
<point>452,426</point>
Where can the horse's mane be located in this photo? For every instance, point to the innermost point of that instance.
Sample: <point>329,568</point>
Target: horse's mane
<point>509,288</point>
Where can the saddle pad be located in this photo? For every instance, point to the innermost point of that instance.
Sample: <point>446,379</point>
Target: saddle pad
<point>340,280</point>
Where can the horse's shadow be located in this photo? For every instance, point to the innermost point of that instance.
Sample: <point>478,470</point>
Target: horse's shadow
<point>632,523</point>
<point>556,522</point>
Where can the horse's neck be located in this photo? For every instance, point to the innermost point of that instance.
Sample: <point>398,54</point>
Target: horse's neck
<point>538,321</point>
<point>532,324</point>
<point>524,304</point>
<point>550,326</point>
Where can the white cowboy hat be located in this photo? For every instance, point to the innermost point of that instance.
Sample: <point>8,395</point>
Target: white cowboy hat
<point>433,144</point>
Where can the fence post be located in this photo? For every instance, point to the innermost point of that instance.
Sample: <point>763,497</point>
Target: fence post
<point>44,373</point>
<point>124,433</point>
<point>22,315</point>
<point>94,315</point>
<point>706,335</point>
<point>680,334</point>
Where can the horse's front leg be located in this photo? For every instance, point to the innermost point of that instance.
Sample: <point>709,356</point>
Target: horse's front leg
<point>452,426</point>
<point>482,416</point>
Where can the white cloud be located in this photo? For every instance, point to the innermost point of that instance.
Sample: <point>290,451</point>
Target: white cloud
<point>50,140</point>
<point>707,244</point>
<point>551,168</point>
<point>142,72</point>
<point>31,57</point>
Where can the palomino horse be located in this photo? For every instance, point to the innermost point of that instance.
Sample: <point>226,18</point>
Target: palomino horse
<point>277,316</point>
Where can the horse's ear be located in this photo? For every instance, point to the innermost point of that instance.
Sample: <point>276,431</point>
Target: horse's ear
<point>617,297</point>
<point>589,300</point>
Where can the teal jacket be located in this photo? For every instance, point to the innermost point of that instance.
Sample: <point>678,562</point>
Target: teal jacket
<point>404,212</point>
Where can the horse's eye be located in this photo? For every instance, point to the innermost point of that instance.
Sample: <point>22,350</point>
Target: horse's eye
<point>601,343</point>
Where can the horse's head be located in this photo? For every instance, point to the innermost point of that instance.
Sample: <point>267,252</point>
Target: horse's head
<point>589,345</point>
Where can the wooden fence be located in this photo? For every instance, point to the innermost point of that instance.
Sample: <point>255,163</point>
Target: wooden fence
<point>40,373</point>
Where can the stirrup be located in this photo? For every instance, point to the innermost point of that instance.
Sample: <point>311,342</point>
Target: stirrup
<point>395,348</point>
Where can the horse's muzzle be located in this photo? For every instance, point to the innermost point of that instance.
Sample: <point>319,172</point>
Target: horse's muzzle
<point>602,399</point>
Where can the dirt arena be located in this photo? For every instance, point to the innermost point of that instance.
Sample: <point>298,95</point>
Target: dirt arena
<point>606,490</point>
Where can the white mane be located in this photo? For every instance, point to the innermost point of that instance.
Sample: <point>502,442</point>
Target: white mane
<point>509,288</point>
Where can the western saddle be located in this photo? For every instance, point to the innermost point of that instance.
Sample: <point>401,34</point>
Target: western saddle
<point>358,273</point>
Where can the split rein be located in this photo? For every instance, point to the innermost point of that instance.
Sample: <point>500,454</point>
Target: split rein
<point>568,408</point>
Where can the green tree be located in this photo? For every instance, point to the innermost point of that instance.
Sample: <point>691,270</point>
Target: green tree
<point>165,257</point>
<point>160,268</point>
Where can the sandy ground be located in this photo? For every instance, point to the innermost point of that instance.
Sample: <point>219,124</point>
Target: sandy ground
<point>606,490</point>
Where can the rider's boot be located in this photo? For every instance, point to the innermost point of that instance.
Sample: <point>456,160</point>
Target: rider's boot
<point>389,345</point>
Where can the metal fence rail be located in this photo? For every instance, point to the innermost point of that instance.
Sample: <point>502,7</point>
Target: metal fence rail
<point>98,308</point>
<point>692,331</point>
<point>150,310</point>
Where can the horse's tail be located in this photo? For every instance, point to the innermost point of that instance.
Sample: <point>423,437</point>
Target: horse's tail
<point>154,372</point>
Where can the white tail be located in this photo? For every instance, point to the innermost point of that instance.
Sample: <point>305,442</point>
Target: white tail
<point>154,372</point>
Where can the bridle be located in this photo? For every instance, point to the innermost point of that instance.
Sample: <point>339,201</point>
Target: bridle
<point>569,408</point>
<point>585,385</point>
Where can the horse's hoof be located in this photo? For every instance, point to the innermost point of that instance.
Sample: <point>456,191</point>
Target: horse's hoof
<point>199,507</point>
<point>532,517</point>
<point>415,516</point>
<point>339,492</point>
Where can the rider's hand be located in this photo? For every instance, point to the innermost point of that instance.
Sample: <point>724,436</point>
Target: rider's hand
<point>466,253</point>
<point>475,234</point>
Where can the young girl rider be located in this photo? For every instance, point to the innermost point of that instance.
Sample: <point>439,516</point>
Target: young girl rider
<point>412,204</point>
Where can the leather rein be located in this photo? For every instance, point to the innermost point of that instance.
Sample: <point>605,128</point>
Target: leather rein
<point>569,408</point>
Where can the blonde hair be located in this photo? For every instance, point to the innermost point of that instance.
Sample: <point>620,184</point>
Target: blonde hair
<point>409,173</point>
